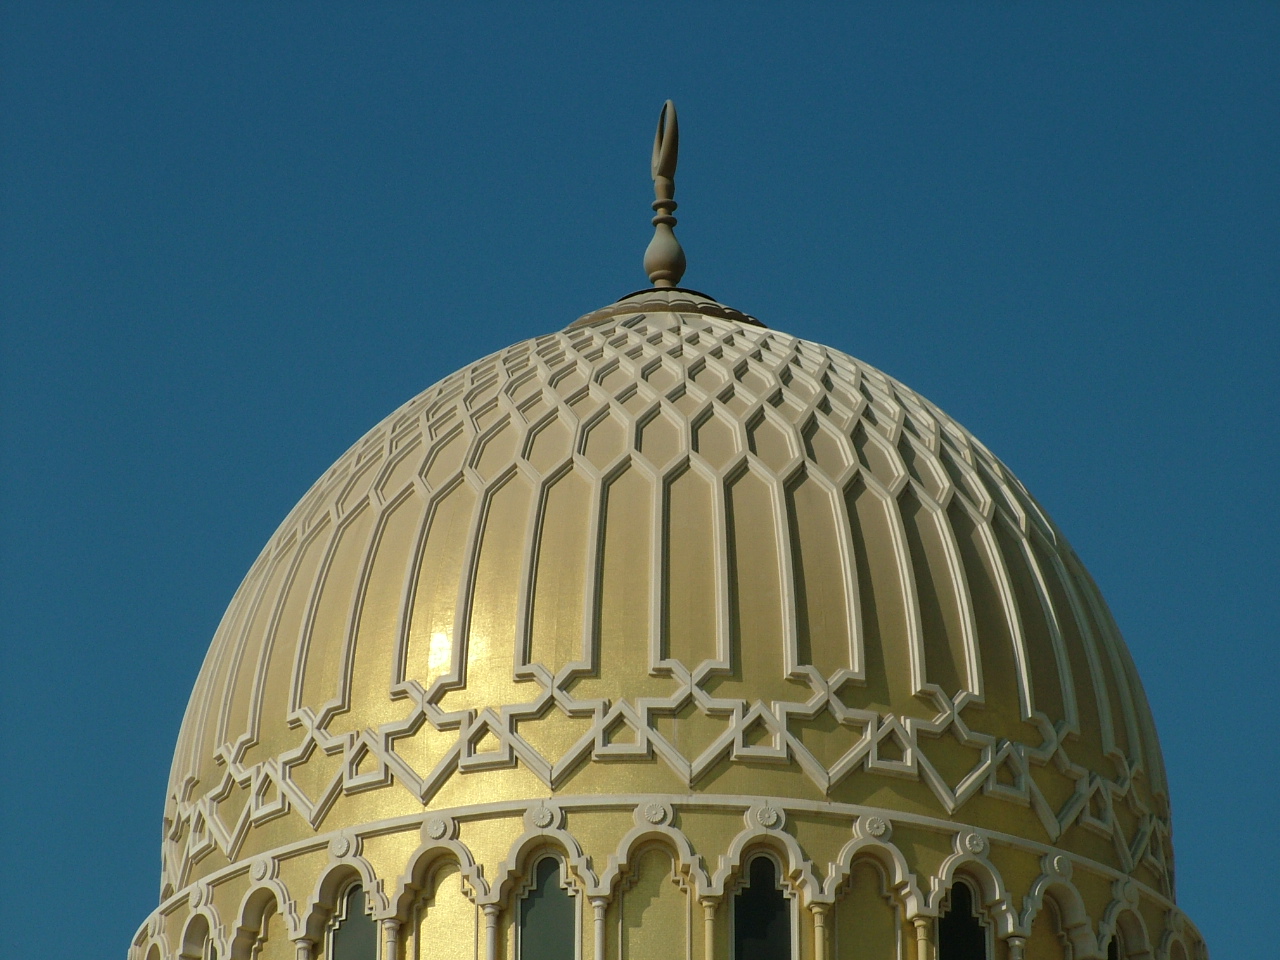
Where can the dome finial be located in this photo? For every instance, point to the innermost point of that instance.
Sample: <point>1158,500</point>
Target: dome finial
<point>664,258</point>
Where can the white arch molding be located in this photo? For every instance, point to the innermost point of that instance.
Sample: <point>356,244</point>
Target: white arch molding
<point>812,887</point>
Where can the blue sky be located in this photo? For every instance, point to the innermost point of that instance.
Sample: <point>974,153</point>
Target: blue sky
<point>235,236</point>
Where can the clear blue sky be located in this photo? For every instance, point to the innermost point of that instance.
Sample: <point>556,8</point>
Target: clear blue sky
<point>234,236</point>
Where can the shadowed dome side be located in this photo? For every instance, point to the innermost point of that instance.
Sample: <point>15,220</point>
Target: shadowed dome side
<point>670,550</point>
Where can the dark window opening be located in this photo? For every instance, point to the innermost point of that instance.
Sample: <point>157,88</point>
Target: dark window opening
<point>1113,949</point>
<point>960,933</point>
<point>547,925</point>
<point>356,935</point>
<point>761,918</point>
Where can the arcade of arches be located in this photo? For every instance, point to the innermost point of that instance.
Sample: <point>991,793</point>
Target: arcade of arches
<point>654,900</point>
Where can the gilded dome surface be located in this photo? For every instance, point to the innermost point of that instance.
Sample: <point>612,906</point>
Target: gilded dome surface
<point>668,551</point>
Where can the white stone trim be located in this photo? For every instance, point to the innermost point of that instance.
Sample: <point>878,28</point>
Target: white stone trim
<point>871,834</point>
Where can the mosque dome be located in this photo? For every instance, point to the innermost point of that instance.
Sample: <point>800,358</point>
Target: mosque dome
<point>667,596</point>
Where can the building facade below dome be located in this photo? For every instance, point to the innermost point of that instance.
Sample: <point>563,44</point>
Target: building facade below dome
<point>667,635</point>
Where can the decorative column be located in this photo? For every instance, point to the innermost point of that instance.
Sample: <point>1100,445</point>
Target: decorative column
<point>599,905</point>
<point>820,911</point>
<point>390,939</point>
<point>302,949</point>
<point>709,929</point>
<point>924,937</point>
<point>491,931</point>
<point>1017,947</point>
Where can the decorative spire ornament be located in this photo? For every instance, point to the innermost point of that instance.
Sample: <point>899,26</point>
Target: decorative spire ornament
<point>664,258</point>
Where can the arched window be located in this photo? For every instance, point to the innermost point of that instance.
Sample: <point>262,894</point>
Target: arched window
<point>548,919</point>
<point>961,935</point>
<point>761,915</point>
<point>353,935</point>
<point>197,944</point>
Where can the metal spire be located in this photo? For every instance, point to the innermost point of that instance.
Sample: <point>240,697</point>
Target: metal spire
<point>664,258</point>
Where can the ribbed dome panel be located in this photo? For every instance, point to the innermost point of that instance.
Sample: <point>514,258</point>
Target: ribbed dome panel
<point>677,548</point>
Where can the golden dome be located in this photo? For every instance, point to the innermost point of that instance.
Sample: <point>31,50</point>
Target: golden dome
<point>667,635</point>
<point>668,552</point>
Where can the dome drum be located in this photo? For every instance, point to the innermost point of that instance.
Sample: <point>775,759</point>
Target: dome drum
<point>880,872</point>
